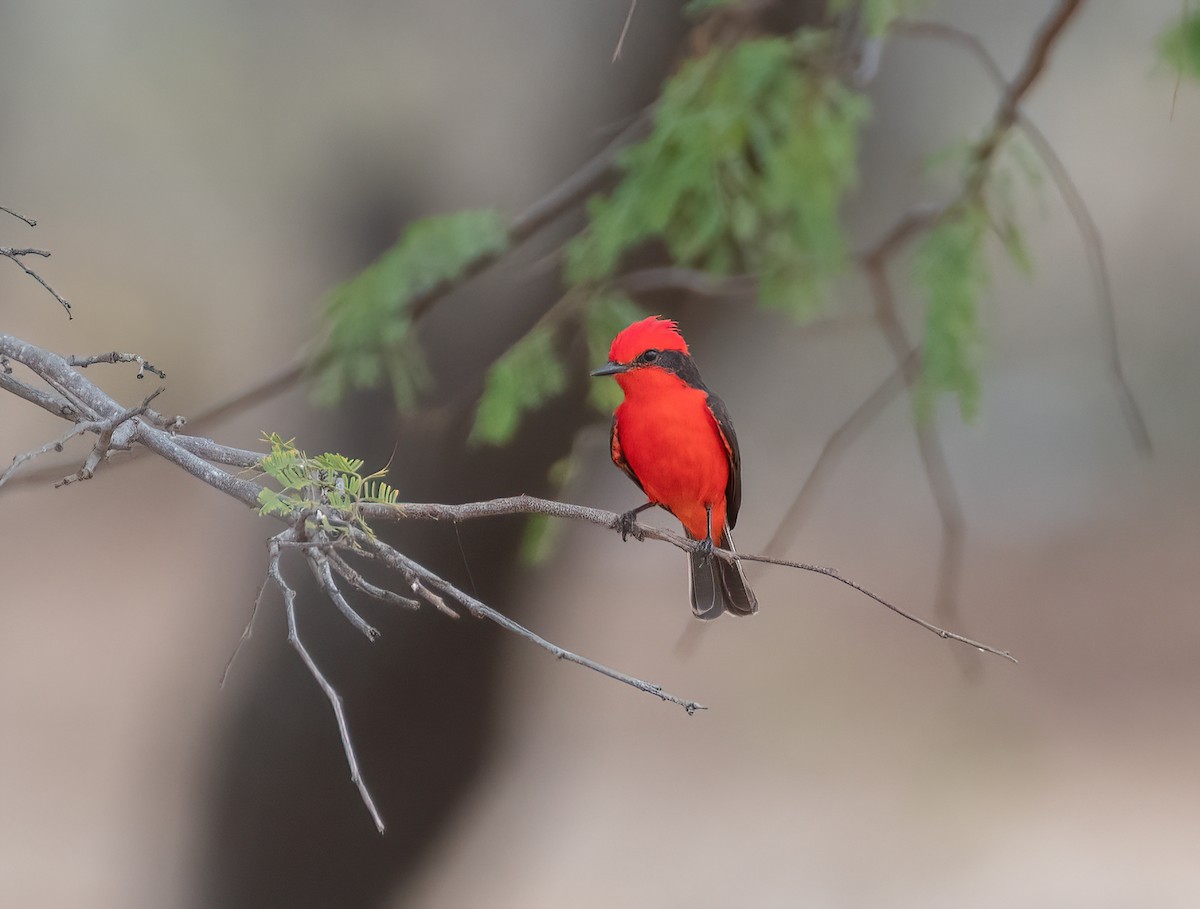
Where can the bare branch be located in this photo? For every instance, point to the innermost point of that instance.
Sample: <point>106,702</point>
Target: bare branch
<point>362,585</point>
<point>481,610</point>
<point>335,699</point>
<point>624,31</point>
<point>833,573</point>
<point>319,565</point>
<point>29,221</point>
<point>1077,206</point>
<point>933,458</point>
<point>109,439</point>
<point>117,357</point>
<point>56,445</point>
<point>1008,109</point>
<point>16,254</point>
<point>247,631</point>
<point>835,446</point>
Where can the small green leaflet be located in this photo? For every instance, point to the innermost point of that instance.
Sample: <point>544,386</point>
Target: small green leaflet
<point>525,377</point>
<point>369,335</point>
<point>951,270</point>
<point>606,315</point>
<point>331,482</point>
<point>1179,45</point>
<point>744,172</point>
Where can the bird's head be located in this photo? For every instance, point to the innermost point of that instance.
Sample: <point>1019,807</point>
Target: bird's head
<point>642,346</point>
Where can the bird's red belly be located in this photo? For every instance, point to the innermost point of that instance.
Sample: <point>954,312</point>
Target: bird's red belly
<point>676,452</point>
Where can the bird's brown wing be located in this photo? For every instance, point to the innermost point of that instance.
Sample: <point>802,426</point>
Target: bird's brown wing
<point>733,487</point>
<point>618,456</point>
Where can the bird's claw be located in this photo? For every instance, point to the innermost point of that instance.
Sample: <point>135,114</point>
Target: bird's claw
<point>705,548</point>
<point>627,524</point>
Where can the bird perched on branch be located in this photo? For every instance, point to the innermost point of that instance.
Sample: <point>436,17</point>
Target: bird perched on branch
<point>674,438</point>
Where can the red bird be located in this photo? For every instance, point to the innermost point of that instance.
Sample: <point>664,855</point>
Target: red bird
<point>674,438</point>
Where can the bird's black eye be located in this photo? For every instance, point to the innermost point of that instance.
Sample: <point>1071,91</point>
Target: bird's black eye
<point>649,356</point>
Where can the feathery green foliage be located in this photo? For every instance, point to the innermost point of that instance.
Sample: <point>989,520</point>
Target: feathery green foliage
<point>524,378</point>
<point>369,335</point>
<point>951,270</point>
<point>606,315</point>
<point>743,172</point>
<point>1179,46</point>
<point>330,483</point>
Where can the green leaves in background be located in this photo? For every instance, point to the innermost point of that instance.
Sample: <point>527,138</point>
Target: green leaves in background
<point>951,271</point>
<point>1179,45</point>
<point>744,172</point>
<point>369,330</point>
<point>524,378</point>
<point>606,315</point>
<point>531,372</point>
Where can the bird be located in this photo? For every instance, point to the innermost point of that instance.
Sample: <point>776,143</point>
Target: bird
<point>674,438</point>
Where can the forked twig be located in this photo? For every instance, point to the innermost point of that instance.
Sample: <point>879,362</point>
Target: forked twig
<point>335,699</point>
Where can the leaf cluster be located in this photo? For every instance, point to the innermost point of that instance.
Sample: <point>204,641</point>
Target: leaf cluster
<point>532,371</point>
<point>369,330</point>
<point>329,486</point>
<point>744,172</point>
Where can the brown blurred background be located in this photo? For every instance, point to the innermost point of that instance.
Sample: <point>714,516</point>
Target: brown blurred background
<point>204,173</point>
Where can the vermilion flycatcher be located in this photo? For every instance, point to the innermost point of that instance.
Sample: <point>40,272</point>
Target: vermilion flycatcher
<point>674,438</point>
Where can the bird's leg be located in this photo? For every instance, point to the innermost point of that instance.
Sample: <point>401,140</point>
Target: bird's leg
<point>705,546</point>
<point>626,521</point>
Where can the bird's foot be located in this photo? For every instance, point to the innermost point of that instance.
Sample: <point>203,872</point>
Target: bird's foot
<point>627,524</point>
<point>705,548</point>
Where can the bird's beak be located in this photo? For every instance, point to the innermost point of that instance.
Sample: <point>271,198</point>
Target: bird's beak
<point>610,369</point>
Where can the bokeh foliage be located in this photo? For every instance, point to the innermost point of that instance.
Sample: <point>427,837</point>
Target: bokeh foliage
<point>752,150</point>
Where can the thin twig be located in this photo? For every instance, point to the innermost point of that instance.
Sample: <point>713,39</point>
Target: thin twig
<point>319,565</point>
<point>15,254</point>
<point>561,199</point>
<point>56,445</point>
<point>482,610</point>
<point>362,585</point>
<point>1077,206</point>
<point>835,446</point>
<point>833,573</point>
<point>933,457</point>
<point>108,429</point>
<point>335,699</point>
<point>29,221</point>
<point>247,631</point>
<point>624,31</point>
<point>144,366</point>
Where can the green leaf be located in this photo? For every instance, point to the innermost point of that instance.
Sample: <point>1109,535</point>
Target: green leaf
<point>744,171</point>
<point>1179,45</point>
<point>951,270</point>
<point>521,380</point>
<point>606,315</point>
<point>368,329</point>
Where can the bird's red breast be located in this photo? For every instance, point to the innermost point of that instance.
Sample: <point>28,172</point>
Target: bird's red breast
<point>670,440</point>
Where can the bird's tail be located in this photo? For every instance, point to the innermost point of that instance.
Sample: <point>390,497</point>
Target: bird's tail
<point>718,586</point>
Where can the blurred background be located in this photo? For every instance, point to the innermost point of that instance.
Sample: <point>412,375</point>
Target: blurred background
<point>205,173</point>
